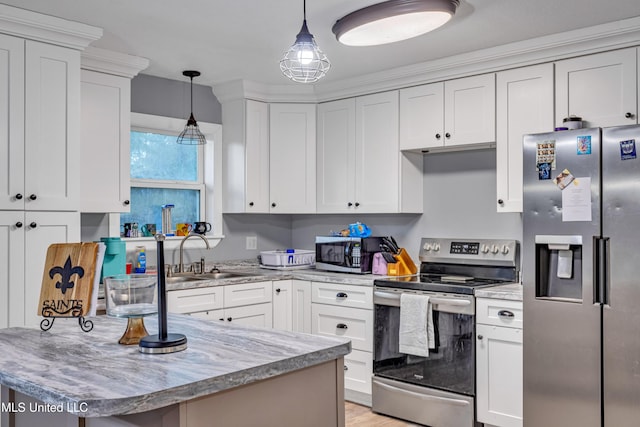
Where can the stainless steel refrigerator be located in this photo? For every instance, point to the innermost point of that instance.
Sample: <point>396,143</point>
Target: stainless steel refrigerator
<point>581,278</point>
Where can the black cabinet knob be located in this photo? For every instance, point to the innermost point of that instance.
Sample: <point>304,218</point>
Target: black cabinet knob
<point>18,224</point>
<point>229,319</point>
<point>500,202</point>
<point>251,204</point>
<point>345,368</point>
<point>33,197</point>
<point>480,337</point>
<point>628,115</point>
<point>18,196</point>
<point>273,205</point>
<point>341,326</point>
<point>277,290</point>
<point>438,136</point>
<point>33,225</point>
<point>357,204</point>
<point>447,135</point>
<point>349,204</point>
<point>127,202</point>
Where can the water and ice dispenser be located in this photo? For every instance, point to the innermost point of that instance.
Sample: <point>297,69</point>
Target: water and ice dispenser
<point>559,267</point>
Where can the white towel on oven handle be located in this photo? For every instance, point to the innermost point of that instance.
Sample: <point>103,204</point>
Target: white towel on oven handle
<point>417,335</point>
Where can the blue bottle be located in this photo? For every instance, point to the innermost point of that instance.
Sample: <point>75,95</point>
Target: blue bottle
<point>141,260</point>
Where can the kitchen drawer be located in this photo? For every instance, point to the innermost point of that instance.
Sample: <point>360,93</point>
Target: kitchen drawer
<point>488,312</point>
<point>358,368</point>
<point>192,300</point>
<point>209,314</point>
<point>342,295</point>
<point>247,293</point>
<point>353,323</point>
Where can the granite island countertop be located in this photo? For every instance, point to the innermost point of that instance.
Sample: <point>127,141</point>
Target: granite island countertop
<point>66,366</point>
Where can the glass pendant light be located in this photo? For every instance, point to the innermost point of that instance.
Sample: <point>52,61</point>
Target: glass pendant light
<point>191,134</point>
<point>304,62</point>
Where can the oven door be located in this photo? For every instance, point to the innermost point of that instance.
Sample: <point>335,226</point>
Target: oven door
<point>450,367</point>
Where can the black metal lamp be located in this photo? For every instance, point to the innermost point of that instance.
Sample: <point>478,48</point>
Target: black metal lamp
<point>191,134</point>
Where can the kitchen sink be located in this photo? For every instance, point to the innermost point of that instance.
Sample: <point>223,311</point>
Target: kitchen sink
<point>182,279</point>
<point>190,277</point>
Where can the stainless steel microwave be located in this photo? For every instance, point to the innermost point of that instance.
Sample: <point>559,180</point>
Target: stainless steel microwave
<point>346,254</point>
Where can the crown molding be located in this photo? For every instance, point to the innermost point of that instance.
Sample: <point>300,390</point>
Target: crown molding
<point>599,38</point>
<point>109,62</point>
<point>36,26</point>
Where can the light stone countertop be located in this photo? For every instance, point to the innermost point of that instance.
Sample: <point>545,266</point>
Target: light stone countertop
<point>511,291</point>
<point>70,367</point>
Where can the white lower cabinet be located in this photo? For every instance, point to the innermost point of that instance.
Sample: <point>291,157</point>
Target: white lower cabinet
<point>244,303</point>
<point>292,305</point>
<point>347,311</point>
<point>499,362</point>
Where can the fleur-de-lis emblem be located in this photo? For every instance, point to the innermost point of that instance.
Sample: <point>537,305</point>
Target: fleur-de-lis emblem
<point>65,274</point>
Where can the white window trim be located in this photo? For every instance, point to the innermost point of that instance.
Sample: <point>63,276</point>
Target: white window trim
<point>212,170</point>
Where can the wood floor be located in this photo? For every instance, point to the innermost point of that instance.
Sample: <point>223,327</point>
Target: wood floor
<point>361,416</point>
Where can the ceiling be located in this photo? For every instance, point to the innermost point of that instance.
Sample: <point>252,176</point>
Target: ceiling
<point>242,39</point>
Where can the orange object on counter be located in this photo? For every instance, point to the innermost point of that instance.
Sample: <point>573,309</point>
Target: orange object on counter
<point>403,266</point>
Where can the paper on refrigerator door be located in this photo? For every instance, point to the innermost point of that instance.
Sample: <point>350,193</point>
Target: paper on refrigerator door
<point>576,200</point>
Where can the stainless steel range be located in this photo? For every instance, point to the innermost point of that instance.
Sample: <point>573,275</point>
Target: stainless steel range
<point>433,382</point>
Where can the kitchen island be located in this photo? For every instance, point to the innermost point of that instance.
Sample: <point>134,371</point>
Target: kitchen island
<point>228,375</point>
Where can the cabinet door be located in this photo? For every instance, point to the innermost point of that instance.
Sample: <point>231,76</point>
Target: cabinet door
<point>353,323</point>
<point>301,306</point>
<point>292,158</point>
<point>257,156</point>
<point>41,230</point>
<point>336,156</point>
<point>11,123</point>
<point>251,315</point>
<point>377,153</point>
<point>524,104</point>
<point>422,117</point>
<point>600,88</point>
<point>283,305</point>
<point>358,369</point>
<point>247,293</point>
<point>105,126</point>
<point>12,268</point>
<point>499,375</point>
<point>470,110</point>
<point>52,132</point>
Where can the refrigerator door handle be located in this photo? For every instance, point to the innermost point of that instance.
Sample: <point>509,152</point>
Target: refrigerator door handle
<point>601,270</point>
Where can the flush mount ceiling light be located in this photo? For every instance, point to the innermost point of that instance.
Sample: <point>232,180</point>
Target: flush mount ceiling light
<point>304,62</point>
<point>392,21</point>
<point>191,134</point>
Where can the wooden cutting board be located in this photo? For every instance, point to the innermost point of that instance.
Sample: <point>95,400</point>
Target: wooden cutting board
<point>67,280</point>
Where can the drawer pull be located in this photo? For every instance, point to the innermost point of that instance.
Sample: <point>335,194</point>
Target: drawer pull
<point>342,326</point>
<point>341,295</point>
<point>506,313</point>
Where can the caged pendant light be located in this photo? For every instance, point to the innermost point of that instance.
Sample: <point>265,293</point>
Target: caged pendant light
<point>304,62</point>
<point>191,134</point>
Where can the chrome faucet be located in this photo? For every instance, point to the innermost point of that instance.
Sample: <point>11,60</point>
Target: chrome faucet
<point>181,265</point>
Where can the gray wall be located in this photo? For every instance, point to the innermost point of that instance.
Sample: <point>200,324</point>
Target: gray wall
<point>171,98</point>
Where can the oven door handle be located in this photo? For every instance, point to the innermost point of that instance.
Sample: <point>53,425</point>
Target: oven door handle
<point>432,300</point>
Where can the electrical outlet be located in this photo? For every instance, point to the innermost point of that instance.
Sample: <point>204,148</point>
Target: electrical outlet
<point>252,243</point>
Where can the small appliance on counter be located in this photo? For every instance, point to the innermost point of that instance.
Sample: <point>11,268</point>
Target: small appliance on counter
<point>346,254</point>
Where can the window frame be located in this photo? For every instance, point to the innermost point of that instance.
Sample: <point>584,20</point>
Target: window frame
<point>209,170</point>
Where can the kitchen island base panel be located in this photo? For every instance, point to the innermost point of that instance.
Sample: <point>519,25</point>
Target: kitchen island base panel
<point>310,397</point>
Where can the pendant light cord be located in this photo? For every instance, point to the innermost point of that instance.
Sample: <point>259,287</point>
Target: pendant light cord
<point>191,94</point>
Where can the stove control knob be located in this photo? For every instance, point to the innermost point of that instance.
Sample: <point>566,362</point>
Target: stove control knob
<point>485,249</point>
<point>505,249</point>
<point>427,246</point>
<point>436,247</point>
<point>494,249</point>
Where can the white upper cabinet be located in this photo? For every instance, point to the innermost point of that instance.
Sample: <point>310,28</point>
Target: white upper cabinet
<point>245,156</point>
<point>105,132</point>
<point>292,158</point>
<point>360,167</point>
<point>599,88</point>
<point>39,111</point>
<point>524,105</point>
<point>455,113</point>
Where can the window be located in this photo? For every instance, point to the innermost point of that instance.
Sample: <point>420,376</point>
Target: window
<point>164,172</point>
